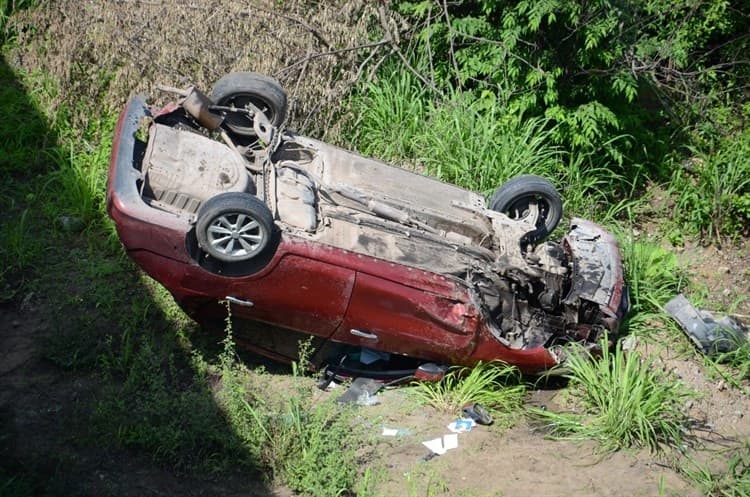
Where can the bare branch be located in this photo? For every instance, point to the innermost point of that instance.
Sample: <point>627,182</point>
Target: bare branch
<point>395,47</point>
<point>451,50</point>
<point>310,57</point>
<point>277,12</point>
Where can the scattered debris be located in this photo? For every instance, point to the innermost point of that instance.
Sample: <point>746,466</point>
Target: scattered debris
<point>443,444</point>
<point>712,336</point>
<point>362,392</point>
<point>478,413</point>
<point>395,432</point>
<point>462,425</point>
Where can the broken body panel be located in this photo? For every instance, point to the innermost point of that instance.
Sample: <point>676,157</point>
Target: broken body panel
<point>364,254</point>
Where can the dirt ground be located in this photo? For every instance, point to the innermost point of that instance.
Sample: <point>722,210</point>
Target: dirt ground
<point>43,414</point>
<point>41,406</point>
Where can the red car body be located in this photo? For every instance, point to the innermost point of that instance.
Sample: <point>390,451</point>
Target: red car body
<point>340,297</point>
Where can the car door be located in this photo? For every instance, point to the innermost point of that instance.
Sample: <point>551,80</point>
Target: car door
<point>298,293</point>
<point>387,315</point>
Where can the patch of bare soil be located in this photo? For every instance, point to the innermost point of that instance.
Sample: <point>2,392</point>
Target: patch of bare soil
<point>724,272</point>
<point>518,461</point>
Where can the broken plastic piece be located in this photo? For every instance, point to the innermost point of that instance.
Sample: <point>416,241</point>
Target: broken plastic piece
<point>478,413</point>
<point>712,336</point>
<point>462,425</point>
<point>362,392</point>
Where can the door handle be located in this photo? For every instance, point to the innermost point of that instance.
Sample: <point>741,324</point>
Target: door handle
<point>235,300</point>
<point>363,334</point>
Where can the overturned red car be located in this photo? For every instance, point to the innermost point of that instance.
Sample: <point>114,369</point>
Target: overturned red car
<point>385,272</point>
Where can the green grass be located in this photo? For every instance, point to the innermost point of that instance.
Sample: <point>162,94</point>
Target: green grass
<point>654,276</point>
<point>7,9</point>
<point>732,480</point>
<point>712,193</point>
<point>467,141</point>
<point>478,142</point>
<point>495,386</point>
<point>622,401</point>
<point>313,447</point>
<point>390,114</point>
<point>188,409</point>
<point>733,366</point>
<point>78,184</point>
<point>194,409</point>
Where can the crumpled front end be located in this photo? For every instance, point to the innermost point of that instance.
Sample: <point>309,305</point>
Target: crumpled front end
<point>598,297</point>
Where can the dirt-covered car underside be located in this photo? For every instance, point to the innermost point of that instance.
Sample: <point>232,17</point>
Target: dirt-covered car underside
<point>214,199</point>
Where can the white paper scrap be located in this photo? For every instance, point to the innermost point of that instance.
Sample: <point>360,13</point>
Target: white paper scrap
<point>450,441</point>
<point>435,445</point>
<point>390,432</point>
<point>443,444</point>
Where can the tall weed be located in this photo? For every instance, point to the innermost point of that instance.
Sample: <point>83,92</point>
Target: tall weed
<point>20,246</point>
<point>477,141</point>
<point>654,276</point>
<point>495,386</point>
<point>474,144</point>
<point>309,446</point>
<point>78,183</point>
<point>469,141</point>
<point>391,113</point>
<point>625,401</point>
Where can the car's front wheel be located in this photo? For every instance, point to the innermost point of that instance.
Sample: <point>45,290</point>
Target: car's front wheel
<point>515,197</point>
<point>234,227</point>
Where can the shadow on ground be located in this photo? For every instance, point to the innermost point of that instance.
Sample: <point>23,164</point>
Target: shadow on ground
<point>73,418</point>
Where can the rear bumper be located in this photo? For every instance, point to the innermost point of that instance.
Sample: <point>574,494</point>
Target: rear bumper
<point>125,175</point>
<point>597,271</point>
<point>140,226</point>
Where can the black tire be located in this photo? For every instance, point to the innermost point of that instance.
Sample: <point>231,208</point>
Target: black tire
<point>513,198</point>
<point>238,89</point>
<point>234,227</point>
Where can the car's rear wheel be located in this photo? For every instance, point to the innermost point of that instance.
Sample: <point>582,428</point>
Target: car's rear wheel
<point>245,90</point>
<point>234,227</point>
<point>515,197</point>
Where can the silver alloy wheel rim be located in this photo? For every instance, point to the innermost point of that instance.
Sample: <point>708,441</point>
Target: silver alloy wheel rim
<point>235,235</point>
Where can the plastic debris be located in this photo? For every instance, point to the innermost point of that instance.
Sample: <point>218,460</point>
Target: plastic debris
<point>478,413</point>
<point>462,425</point>
<point>394,432</point>
<point>712,336</point>
<point>362,392</point>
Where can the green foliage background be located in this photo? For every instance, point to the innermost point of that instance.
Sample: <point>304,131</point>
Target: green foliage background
<point>616,95</point>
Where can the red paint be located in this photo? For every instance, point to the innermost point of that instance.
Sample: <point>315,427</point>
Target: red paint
<point>318,289</point>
